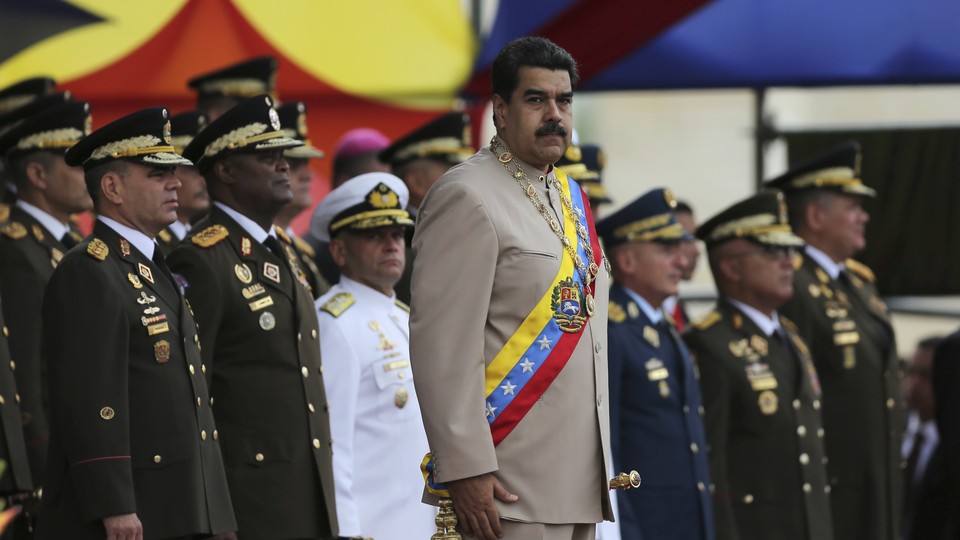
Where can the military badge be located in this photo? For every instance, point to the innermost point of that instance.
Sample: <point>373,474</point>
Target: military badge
<point>135,281</point>
<point>152,310</point>
<point>148,320</point>
<point>146,299</point>
<point>758,344</point>
<point>664,389</point>
<point>738,347</point>
<point>243,273</point>
<point>652,336</point>
<point>383,197</point>
<point>97,249</point>
<point>145,272</point>
<point>633,310</point>
<point>14,230</point>
<point>210,236</point>
<point>37,233</point>
<point>55,257</point>
<point>246,247</point>
<point>401,397</point>
<point>849,357</point>
<point>264,302</point>
<point>158,328</point>
<point>107,413</point>
<point>821,275</point>
<point>274,119</point>
<point>161,351</point>
<point>253,290</point>
<point>166,133</point>
<point>760,376</point>
<point>268,321</point>
<point>566,302</point>
<point>271,272</point>
<point>737,321</point>
<point>165,236</point>
<point>814,290</point>
<point>655,370</point>
<point>124,247</point>
<point>768,402</point>
<point>615,313</point>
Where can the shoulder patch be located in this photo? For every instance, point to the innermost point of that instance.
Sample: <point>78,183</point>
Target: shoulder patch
<point>14,230</point>
<point>165,236</point>
<point>210,236</point>
<point>98,249</point>
<point>860,269</point>
<point>339,303</point>
<point>708,320</point>
<point>401,305</point>
<point>282,234</point>
<point>303,246</point>
<point>615,313</point>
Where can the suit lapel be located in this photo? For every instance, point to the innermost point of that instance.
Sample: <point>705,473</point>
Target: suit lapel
<point>141,272</point>
<point>263,265</point>
<point>55,249</point>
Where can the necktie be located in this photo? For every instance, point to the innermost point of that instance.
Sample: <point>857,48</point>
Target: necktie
<point>161,262</point>
<point>913,458</point>
<point>678,317</point>
<point>67,240</point>
<point>274,246</point>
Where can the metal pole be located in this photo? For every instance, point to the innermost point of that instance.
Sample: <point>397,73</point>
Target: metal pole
<point>760,133</point>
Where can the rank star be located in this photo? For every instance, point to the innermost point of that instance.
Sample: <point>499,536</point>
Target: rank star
<point>491,410</point>
<point>527,366</point>
<point>508,388</point>
<point>544,342</point>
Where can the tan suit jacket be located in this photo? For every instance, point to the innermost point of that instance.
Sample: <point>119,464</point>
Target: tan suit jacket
<point>485,257</point>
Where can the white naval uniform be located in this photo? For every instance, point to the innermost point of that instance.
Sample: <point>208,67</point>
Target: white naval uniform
<point>377,443</point>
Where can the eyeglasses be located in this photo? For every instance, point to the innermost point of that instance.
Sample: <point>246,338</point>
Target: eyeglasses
<point>771,251</point>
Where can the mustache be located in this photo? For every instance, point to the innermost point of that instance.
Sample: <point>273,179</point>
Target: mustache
<point>551,128</point>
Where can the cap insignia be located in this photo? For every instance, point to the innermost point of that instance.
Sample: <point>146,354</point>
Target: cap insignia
<point>274,119</point>
<point>383,197</point>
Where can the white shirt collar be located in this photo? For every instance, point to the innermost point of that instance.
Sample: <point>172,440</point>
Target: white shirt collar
<point>179,229</point>
<point>768,323</point>
<point>254,230</point>
<point>50,223</point>
<point>832,269</point>
<point>142,242</point>
<point>365,293</point>
<point>670,304</point>
<point>655,315</point>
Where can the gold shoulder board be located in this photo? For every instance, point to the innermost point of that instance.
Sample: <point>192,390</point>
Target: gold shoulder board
<point>4,212</point>
<point>339,303</point>
<point>860,269</point>
<point>210,236</point>
<point>303,246</point>
<point>615,312</point>
<point>14,230</point>
<point>97,249</point>
<point>797,262</point>
<point>282,234</point>
<point>707,320</point>
<point>792,326</point>
<point>401,305</point>
<point>165,236</point>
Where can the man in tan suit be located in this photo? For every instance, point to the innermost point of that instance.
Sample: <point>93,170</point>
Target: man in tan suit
<point>509,315</point>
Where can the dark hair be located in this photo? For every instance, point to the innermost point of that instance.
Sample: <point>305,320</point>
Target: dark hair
<point>797,203</point>
<point>18,165</point>
<point>683,206</point>
<point>931,342</point>
<point>531,51</point>
<point>93,177</point>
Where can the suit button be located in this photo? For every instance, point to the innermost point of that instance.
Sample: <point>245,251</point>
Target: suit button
<point>694,448</point>
<point>321,370</point>
<point>258,457</point>
<point>13,366</point>
<point>157,459</point>
<point>196,338</point>
<point>701,410</point>
<point>701,486</point>
<point>211,401</point>
<point>16,398</point>
<point>802,431</point>
<point>316,443</point>
<point>825,460</point>
<point>816,404</point>
<point>215,435</point>
<point>311,407</point>
<point>192,370</point>
<point>826,489</point>
<point>198,401</point>
<point>820,432</point>
<point>804,459</point>
<point>6,332</point>
<point>890,403</point>
<point>203,435</point>
<point>203,369</point>
<point>599,400</point>
<point>299,337</point>
<point>748,498</point>
<point>326,407</point>
<point>796,404</point>
<point>807,488</point>
<point>313,333</point>
<point>686,409</point>
<point>596,347</point>
<point>3,402</point>
<point>305,371</point>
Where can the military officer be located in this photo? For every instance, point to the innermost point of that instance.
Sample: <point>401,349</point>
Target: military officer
<point>760,388</point>
<point>584,163</point>
<point>192,199</point>
<point>23,92</point>
<point>259,338</point>
<point>31,245</point>
<point>839,313</point>
<point>364,338</point>
<point>219,90</point>
<point>420,158</point>
<point>654,396</point>
<point>15,480</point>
<point>293,119</point>
<point>133,445</point>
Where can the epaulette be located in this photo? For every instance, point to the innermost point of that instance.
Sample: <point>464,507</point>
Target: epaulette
<point>4,212</point>
<point>97,249</point>
<point>792,326</point>
<point>303,246</point>
<point>860,269</point>
<point>615,312</point>
<point>401,305</point>
<point>706,321</point>
<point>14,230</point>
<point>282,234</point>
<point>165,236</point>
<point>339,303</point>
<point>797,262</point>
<point>210,236</point>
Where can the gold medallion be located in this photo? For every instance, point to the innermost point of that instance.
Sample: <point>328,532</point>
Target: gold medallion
<point>161,351</point>
<point>768,402</point>
<point>268,321</point>
<point>246,248</point>
<point>243,273</point>
<point>401,397</point>
<point>124,247</point>
<point>135,281</point>
<point>591,304</point>
<point>505,157</point>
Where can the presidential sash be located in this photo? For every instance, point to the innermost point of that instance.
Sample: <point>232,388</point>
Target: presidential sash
<point>539,349</point>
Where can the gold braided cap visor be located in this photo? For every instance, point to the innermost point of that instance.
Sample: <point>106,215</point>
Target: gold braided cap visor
<point>765,228</point>
<point>835,177</point>
<point>373,219</point>
<point>255,134</point>
<point>235,87</point>
<point>56,138</point>
<point>431,147</point>
<point>144,147</point>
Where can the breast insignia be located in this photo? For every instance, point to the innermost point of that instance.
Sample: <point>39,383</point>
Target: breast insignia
<point>210,236</point>
<point>616,313</point>
<point>860,269</point>
<point>707,320</point>
<point>282,234</point>
<point>14,230</point>
<point>401,305</point>
<point>97,249</point>
<point>165,236</point>
<point>339,303</point>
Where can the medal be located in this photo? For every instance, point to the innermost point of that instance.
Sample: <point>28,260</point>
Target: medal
<point>591,304</point>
